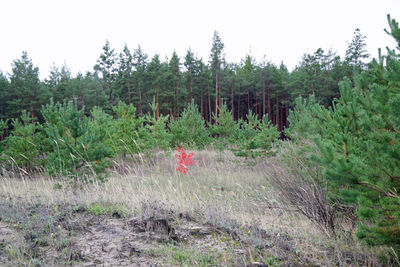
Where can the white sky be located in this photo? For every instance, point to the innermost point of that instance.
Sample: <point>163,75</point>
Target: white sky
<point>74,31</point>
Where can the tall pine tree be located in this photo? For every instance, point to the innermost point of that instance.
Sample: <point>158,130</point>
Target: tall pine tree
<point>216,61</point>
<point>140,63</point>
<point>25,90</point>
<point>107,66</point>
<point>356,52</point>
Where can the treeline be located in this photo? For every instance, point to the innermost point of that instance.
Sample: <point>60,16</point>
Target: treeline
<point>72,144</point>
<point>133,78</point>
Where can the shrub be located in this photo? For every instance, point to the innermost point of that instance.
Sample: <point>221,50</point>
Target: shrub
<point>189,129</point>
<point>300,184</point>
<point>266,135</point>
<point>225,126</point>
<point>254,137</point>
<point>77,145</point>
<point>23,146</point>
<point>305,119</point>
<point>157,134</point>
<point>128,131</point>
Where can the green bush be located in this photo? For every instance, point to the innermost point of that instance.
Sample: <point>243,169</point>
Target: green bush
<point>305,119</point>
<point>254,137</point>
<point>225,126</point>
<point>158,136</point>
<point>266,135</point>
<point>23,146</point>
<point>78,145</point>
<point>128,131</point>
<point>189,129</point>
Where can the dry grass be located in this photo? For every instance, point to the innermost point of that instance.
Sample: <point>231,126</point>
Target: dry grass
<point>221,189</point>
<point>226,187</point>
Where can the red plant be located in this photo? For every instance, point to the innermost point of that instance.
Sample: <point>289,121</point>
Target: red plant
<point>184,160</point>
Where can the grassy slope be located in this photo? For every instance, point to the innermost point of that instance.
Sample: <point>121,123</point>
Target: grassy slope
<point>223,212</point>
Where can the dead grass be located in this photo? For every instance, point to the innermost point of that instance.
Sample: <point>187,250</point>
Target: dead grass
<point>221,190</point>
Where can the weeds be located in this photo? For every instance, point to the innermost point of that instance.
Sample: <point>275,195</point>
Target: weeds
<point>112,210</point>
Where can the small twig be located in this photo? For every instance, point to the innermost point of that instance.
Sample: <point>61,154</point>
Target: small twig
<point>281,208</point>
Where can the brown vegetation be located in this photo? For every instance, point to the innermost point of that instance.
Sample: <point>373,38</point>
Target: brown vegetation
<point>223,212</point>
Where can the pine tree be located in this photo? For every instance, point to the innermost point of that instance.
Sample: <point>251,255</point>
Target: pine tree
<point>23,145</point>
<point>225,125</point>
<point>76,143</point>
<point>25,90</point>
<point>88,91</point>
<point>246,76</point>
<point>317,74</point>
<point>125,76</point>
<point>174,66</point>
<point>189,64</point>
<point>107,66</point>
<point>356,52</point>
<point>216,61</point>
<point>4,84</point>
<point>203,89</point>
<point>154,79</point>
<point>266,73</point>
<point>140,63</point>
<point>59,83</point>
<point>189,129</point>
<point>359,142</point>
<point>166,92</point>
<point>229,84</point>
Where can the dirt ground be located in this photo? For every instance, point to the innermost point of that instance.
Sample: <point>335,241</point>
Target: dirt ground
<point>97,240</point>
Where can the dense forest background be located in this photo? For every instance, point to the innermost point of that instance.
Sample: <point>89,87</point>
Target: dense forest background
<point>172,83</point>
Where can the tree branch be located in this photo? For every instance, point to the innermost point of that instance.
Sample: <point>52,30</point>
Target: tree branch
<point>378,189</point>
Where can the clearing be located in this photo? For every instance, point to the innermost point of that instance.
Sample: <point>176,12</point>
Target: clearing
<point>223,212</point>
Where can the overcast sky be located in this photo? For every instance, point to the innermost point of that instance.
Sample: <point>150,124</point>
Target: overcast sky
<point>73,32</point>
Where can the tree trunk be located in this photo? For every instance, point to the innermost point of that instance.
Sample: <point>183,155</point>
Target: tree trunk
<point>286,115</point>
<point>238,111</point>
<point>110,98</point>
<point>129,92</point>
<point>32,114</point>
<point>190,89</point>
<point>83,100</point>
<point>313,89</point>
<point>176,103</point>
<point>177,98</point>
<point>277,113</point>
<point>281,118</point>
<point>269,104</point>
<point>206,107</point>
<point>216,93</point>
<point>248,100</point>
<point>209,108</point>
<point>263,111</point>
<point>140,99</point>
<point>232,104</point>
<point>201,104</point>
<point>257,113</point>
<point>157,104</point>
